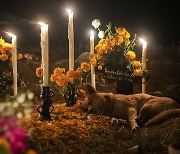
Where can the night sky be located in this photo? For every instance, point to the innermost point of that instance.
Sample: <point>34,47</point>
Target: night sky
<point>155,20</point>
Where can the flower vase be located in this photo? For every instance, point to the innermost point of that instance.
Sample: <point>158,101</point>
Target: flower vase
<point>70,95</point>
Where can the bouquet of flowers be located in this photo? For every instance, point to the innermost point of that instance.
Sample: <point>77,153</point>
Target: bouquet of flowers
<point>13,137</point>
<point>5,64</point>
<point>70,82</point>
<point>115,58</point>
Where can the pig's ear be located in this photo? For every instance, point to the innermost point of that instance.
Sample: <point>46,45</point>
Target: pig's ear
<point>90,89</point>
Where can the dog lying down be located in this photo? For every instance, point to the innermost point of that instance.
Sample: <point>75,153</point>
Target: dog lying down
<point>139,109</point>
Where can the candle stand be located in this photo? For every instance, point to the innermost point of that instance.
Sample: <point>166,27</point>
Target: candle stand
<point>70,95</point>
<point>46,106</point>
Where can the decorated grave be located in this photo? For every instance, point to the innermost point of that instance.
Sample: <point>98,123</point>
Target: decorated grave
<point>44,126</point>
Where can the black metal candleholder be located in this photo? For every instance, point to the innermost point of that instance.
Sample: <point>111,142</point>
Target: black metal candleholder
<point>46,106</point>
<point>70,95</point>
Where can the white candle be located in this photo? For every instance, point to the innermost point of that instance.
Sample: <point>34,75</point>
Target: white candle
<point>71,40</point>
<point>93,82</point>
<point>45,53</point>
<point>14,61</point>
<point>144,52</point>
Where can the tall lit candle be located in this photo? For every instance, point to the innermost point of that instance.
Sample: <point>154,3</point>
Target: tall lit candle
<point>45,53</point>
<point>71,40</point>
<point>144,53</point>
<point>93,82</point>
<point>14,61</point>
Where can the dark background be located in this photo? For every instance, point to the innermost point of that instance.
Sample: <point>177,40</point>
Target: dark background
<point>155,20</point>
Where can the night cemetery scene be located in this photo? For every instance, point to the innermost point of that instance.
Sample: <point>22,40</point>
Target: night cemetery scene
<point>89,77</point>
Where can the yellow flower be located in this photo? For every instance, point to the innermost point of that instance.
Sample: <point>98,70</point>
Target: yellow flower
<point>137,72</point>
<point>20,56</point>
<point>1,43</point>
<point>121,31</point>
<point>127,35</point>
<point>39,72</point>
<point>136,64</point>
<point>59,71</point>
<point>127,42</point>
<point>4,143</point>
<point>118,40</point>
<point>130,55</point>
<point>99,67</point>
<point>4,57</point>
<point>85,67</point>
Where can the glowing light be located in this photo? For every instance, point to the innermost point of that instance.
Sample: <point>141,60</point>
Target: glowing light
<point>91,33</point>
<point>12,35</point>
<point>143,42</point>
<point>69,11</point>
<point>43,26</point>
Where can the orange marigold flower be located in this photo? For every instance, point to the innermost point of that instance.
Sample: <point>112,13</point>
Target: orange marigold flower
<point>4,57</point>
<point>121,31</point>
<point>82,93</point>
<point>53,77</point>
<point>39,72</point>
<point>130,55</point>
<point>85,67</point>
<point>99,56</point>
<point>8,47</point>
<point>70,73</point>
<point>58,71</point>
<point>62,80</point>
<point>136,64</point>
<point>77,74</point>
<point>99,67</point>
<point>118,40</point>
<point>97,47</point>
<point>20,56</point>
<point>137,72</point>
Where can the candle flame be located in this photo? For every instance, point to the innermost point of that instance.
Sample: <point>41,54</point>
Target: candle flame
<point>143,41</point>
<point>42,24</point>
<point>69,11</point>
<point>91,33</point>
<point>10,34</point>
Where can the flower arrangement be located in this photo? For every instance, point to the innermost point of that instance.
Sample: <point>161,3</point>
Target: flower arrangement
<point>5,62</point>
<point>13,137</point>
<point>70,82</point>
<point>114,52</point>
